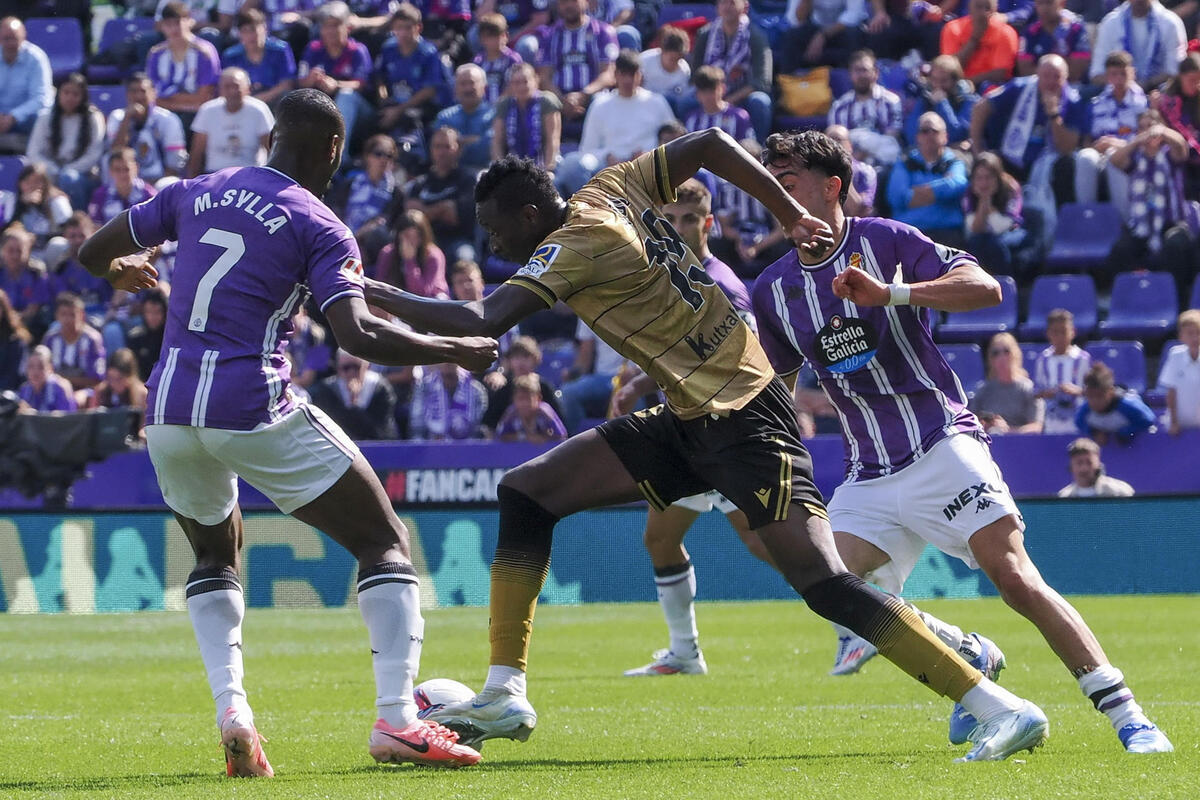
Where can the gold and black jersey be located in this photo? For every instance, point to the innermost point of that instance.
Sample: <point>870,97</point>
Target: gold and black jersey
<point>627,274</point>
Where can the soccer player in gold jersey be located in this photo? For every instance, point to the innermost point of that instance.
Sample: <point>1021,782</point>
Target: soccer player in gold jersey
<point>728,423</point>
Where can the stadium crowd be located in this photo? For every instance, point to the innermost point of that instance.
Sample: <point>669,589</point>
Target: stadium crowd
<point>1057,141</point>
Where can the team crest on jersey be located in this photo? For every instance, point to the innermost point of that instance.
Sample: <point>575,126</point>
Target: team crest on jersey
<point>352,268</point>
<point>856,260</point>
<point>846,344</point>
<point>541,260</point>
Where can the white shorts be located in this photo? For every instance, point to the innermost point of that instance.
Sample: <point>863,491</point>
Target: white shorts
<point>943,498</point>
<point>703,503</point>
<point>292,461</point>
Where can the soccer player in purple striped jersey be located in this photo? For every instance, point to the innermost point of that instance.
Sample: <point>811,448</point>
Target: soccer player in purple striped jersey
<point>918,467</point>
<point>254,243</point>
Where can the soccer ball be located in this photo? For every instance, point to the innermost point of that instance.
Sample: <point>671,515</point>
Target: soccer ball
<point>433,694</point>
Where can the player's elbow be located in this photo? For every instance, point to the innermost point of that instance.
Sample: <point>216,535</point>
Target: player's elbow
<point>991,291</point>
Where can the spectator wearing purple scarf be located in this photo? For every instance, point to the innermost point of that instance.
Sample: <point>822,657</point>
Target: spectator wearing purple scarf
<point>447,404</point>
<point>528,122</point>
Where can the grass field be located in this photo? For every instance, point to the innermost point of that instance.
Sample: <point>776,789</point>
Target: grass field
<point>116,707</point>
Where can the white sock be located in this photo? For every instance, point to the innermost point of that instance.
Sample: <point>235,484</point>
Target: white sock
<point>216,608</point>
<point>676,587</point>
<point>1105,687</point>
<point>987,700</point>
<point>951,635</point>
<point>508,680</point>
<point>390,604</point>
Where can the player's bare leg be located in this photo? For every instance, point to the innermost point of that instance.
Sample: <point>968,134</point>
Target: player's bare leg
<point>1000,550</point>
<point>355,512</point>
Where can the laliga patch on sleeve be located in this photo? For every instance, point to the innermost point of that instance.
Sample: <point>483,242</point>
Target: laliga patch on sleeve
<point>352,269</point>
<point>542,258</point>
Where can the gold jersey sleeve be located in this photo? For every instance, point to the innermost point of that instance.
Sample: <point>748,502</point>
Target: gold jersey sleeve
<point>627,274</point>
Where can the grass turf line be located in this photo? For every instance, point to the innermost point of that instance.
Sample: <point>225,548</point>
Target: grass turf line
<point>117,707</point>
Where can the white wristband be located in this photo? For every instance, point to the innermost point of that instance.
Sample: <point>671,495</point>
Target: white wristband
<point>900,293</point>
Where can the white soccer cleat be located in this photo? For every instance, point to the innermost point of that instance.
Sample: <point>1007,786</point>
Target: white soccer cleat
<point>990,661</point>
<point>1008,733</point>
<point>853,652</point>
<point>667,663</point>
<point>1143,738</point>
<point>488,715</point>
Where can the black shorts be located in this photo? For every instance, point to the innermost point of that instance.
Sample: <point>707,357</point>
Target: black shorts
<point>753,456</point>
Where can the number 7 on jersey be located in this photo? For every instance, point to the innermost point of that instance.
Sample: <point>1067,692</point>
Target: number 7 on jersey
<point>235,247</point>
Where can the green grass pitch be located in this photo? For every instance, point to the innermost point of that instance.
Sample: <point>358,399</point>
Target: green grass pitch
<point>117,707</point>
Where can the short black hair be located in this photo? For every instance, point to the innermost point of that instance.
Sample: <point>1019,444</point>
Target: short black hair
<point>309,108</point>
<point>514,182</point>
<point>810,150</point>
<point>628,62</point>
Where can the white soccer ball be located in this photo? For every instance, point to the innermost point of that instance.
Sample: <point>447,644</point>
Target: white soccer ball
<point>433,694</point>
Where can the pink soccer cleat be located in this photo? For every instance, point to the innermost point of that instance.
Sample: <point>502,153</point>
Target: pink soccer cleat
<point>422,742</point>
<point>244,756</point>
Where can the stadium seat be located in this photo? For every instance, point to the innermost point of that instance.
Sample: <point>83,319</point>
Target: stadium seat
<point>674,12</point>
<point>1084,237</point>
<point>107,98</point>
<point>62,39</point>
<point>1157,397</point>
<point>554,361</point>
<point>893,76</point>
<point>1029,354</point>
<point>1075,293</point>
<point>970,326</point>
<point>1127,360</point>
<point>1144,305</point>
<point>10,168</point>
<point>967,362</point>
<point>116,32</point>
<point>1195,302</point>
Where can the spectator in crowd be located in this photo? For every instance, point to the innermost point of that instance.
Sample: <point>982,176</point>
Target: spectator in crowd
<point>983,43</point>
<point>448,404</point>
<point>472,117</point>
<point>233,130</point>
<point>68,139</point>
<point>741,50</point>
<point>1161,229</point>
<point>446,195</point>
<point>267,61</point>
<point>823,32</point>
<point>1058,373</point>
<point>1114,115</point>
<point>864,181</point>
<point>714,111</point>
<point>184,68</point>
<point>992,217</point>
<point>528,121</point>
<point>340,67</point>
<point>289,20</point>
<point>1179,103</point>
<point>870,112</point>
<point>947,92</point>
<point>1087,473</point>
<point>1152,34</point>
<point>590,379</point>
<point>71,276</point>
<point>577,59</point>
<point>1110,411</point>
<point>76,348</point>
<point>24,280</point>
<point>412,261</point>
<point>525,21</point>
<point>369,199</point>
<point>926,189</point>
<point>26,88</point>
<point>665,69</point>
<point>750,236</point>
<point>495,57</point>
<point>445,26</point>
<point>897,26</point>
<point>40,205</point>
<point>359,400</point>
<point>123,189</point>
<point>415,81</point>
<point>122,387</point>
<point>529,418</point>
<point>43,391</point>
<point>154,133</point>
<point>145,340</point>
<point>1180,375</point>
<point>308,351</point>
<point>1059,31</point>
<point>692,218</point>
<point>15,339</point>
<point>520,359</point>
<point>1005,401</point>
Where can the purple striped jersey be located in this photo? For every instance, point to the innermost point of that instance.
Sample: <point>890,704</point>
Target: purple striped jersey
<point>893,391</point>
<point>733,120</point>
<point>252,245</point>
<point>1051,371</point>
<point>579,55</point>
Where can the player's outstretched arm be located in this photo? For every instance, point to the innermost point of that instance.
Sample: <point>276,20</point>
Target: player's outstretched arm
<point>966,287</point>
<point>492,316</point>
<point>718,152</point>
<point>112,254</point>
<point>367,336</point>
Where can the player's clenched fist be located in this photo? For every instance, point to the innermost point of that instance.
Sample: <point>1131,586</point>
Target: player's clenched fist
<point>811,235</point>
<point>476,353</point>
<point>860,288</point>
<point>134,273</point>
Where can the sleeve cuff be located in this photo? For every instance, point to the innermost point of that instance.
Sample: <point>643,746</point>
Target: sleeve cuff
<point>356,292</point>
<point>541,291</point>
<point>132,232</point>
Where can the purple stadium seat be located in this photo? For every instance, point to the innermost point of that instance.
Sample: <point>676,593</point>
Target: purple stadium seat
<point>967,362</point>
<point>1085,235</point>
<point>1029,354</point>
<point>62,39</point>
<point>116,31</point>
<point>1075,293</point>
<point>892,75</point>
<point>1127,360</point>
<point>1144,305</point>
<point>674,12</point>
<point>970,326</point>
<point>554,361</point>
<point>10,168</point>
<point>1157,397</point>
<point>1195,302</point>
<point>107,98</point>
